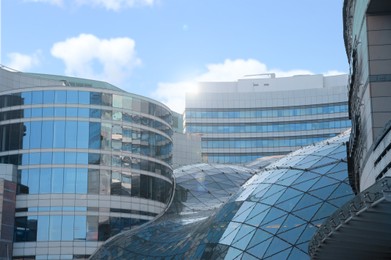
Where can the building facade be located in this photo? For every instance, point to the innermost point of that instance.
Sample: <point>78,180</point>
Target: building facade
<point>368,46</point>
<point>263,116</point>
<point>92,160</point>
<point>360,229</point>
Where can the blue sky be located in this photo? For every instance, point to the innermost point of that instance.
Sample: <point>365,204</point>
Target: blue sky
<point>159,48</point>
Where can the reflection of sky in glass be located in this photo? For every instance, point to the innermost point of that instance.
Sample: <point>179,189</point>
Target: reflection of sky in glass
<point>272,216</point>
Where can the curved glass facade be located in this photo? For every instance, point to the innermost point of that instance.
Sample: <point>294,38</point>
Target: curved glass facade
<point>91,162</point>
<point>272,216</point>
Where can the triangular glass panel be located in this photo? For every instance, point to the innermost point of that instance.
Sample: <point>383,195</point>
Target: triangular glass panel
<point>243,237</point>
<point>256,219</point>
<point>243,211</point>
<point>307,213</point>
<point>340,201</point>
<point>341,175</point>
<point>260,249</point>
<point>298,254</point>
<point>233,253</point>
<point>324,193</point>
<point>292,235</point>
<point>273,190</point>
<point>324,161</point>
<point>324,181</point>
<point>343,190</point>
<point>303,246</point>
<point>324,169</point>
<point>249,257</point>
<point>326,210</point>
<point>276,246</point>
<point>230,233</point>
<point>288,194</point>
<point>259,237</point>
<point>292,222</point>
<point>272,199</point>
<point>282,255</point>
<point>288,205</point>
<point>307,234</point>
<point>341,166</point>
<point>305,186</point>
<point>305,177</point>
<point>273,214</point>
<point>307,200</point>
<point>273,226</point>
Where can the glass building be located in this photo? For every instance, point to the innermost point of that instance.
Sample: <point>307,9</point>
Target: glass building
<point>263,115</point>
<point>92,160</point>
<point>271,216</point>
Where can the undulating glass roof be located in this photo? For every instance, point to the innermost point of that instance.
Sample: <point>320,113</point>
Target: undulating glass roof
<point>271,216</point>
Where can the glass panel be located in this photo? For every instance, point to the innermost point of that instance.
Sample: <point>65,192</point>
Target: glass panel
<point>55,228</point>
<point>37,97</point>
<point>43,228</point>
<point>80,228</point>
<point>60,97</point>
<point>82,134</point>
<point>71,134</point>
<point>48,97</point>
<point>36,131</point>
<point>47,134</point>
<point>72,97</point>
<point>81,181</point>
<point>67,228</point>
<point>33,181</point>
<point>45,180</point>
<point>59,134</point>
<point>69,180</point>
<point>57,180</point>
<point>84,97</point>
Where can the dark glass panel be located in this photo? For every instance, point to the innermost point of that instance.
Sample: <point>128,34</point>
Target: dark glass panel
<point>93,181</point>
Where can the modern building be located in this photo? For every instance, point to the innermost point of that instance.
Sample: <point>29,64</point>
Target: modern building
<point>263,115</point>
<point>90,160</point>
<point>361,229</point>
<point>186,147</point>
<point>272,216</point>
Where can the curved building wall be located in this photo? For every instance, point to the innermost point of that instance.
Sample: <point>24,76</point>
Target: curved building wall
<point>254,117</point>
<point>92,161</point>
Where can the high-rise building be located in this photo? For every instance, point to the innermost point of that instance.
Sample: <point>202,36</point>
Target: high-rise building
<point>361,229</point>
<point>263,115</point>
<point>90,160</point>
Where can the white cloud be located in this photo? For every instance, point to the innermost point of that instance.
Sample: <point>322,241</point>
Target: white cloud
<point>173,94</point>
<point>23,62</point>
<point>116,5</point>
<point>87,56</point>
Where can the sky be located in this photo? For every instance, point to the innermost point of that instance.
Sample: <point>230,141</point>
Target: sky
<point>161,48</point>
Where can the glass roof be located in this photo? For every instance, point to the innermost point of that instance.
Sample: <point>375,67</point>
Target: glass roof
<point>271,216</point>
